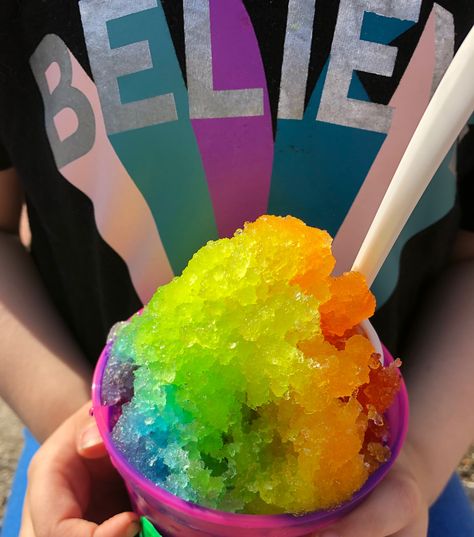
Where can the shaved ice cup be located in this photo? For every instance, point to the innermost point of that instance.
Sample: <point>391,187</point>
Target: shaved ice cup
<point>173,516</point>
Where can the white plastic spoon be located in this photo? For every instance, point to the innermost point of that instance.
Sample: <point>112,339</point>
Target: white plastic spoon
<point>447,113</point>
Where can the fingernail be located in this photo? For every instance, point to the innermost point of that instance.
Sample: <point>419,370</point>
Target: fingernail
<point>133,530</point>
<point>90,438</point>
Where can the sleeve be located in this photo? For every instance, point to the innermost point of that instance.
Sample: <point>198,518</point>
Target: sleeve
<point>465,168</point>
<point>4,159</point>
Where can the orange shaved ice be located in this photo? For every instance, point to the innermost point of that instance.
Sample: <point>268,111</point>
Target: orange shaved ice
<point>384,383</point>
<point>350,303</point>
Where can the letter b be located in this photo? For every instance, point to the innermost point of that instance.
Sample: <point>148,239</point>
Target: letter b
<point>53,50</point>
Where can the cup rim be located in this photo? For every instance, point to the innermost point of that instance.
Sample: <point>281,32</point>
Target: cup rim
<point>196,511</point>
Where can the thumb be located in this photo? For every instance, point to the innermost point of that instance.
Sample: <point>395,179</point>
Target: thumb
<point>89,443</point>
<point>122,525</point>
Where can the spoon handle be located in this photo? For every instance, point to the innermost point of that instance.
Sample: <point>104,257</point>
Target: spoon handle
<point>447,113</point>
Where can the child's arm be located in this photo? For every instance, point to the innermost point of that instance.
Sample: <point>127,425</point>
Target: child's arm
<point>43,376</point>
<point>440,384</point>
<point>439,372</point>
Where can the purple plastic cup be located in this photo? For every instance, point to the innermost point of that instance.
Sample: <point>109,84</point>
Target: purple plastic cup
<point>173,516</point>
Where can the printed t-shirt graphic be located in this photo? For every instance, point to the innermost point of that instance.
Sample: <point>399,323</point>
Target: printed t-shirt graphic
<point>202,115</point>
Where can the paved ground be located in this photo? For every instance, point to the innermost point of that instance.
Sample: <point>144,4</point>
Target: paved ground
<point>10,446</point>
<point>11,443</point>
<point>466,471</point>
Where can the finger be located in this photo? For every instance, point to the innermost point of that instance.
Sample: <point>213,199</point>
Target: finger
<point>391,507</point>
<point>67,521</point>
<point>418,528</point>
<point>57,486</point>
<point>122,525</point>
<point>89,442</point>
<point>60,489</point>
<point>65,500</point>
<point>26,529</point>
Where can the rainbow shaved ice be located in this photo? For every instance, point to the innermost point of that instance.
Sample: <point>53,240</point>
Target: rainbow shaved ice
<point>248,386</point>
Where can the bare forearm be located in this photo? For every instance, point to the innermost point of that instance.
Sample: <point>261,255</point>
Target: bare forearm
<point>43,376</point>
<point>440,378</point>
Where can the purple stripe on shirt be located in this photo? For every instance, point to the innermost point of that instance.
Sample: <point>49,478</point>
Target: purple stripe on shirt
<point>237,152</point>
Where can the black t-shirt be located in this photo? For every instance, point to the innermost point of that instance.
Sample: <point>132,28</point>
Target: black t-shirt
<point>143,129</point>
<point>465,171</point>
<point>4,159</point>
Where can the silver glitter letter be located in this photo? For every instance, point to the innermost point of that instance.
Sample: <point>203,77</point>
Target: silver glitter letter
<point>204,101</point>
<point>350,53</point>
<point>294,71</point>
<point>53,50</point>
<point>108,64</point>
<point>444,42</point>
